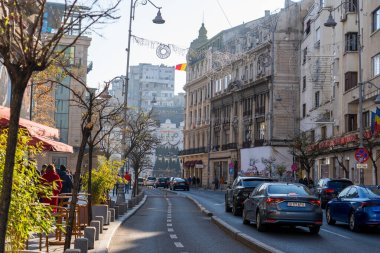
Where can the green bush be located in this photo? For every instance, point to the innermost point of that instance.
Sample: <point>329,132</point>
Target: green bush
<point>103,179</point>
<point>26,213</point>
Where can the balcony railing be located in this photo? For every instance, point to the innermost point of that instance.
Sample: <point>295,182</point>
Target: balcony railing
<point>192,151</point>
<point>259,142</point>
<point>229,146</point>
<point>247,144</point>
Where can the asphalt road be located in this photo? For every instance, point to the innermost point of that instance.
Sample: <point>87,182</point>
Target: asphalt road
<point>331,239</point>
<point>171,223</point>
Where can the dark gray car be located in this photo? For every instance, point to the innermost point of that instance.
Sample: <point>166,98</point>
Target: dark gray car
<point>283,204</point>
<point>240,190</point>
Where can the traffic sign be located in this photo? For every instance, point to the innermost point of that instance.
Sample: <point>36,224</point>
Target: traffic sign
<point>362,166</point>
<point>361,155</point>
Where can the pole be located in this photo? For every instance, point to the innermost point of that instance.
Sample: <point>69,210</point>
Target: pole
<point>361,85</point>
<point>126,83</point>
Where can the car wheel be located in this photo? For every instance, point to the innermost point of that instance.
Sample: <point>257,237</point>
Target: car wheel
<point>245,221</point>
<point>259,223</point>
<point>235,211</point>
<point>314,230</point>
<point>329,219</point>
<point>227,208</point>
<point>352,223</point>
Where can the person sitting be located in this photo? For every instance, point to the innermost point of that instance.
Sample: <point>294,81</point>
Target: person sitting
<point>52,179</point>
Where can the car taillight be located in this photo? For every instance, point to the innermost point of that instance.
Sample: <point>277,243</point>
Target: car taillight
<point>368,204</point>
<point>316,202</point>
<point>274,200</point>
<point>329,190</point>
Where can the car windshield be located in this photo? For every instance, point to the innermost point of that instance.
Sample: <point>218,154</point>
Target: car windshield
<point>338,185</point>
<point>162,179</point>
<point>151,178</point>
<point>372,191</point>
<point>253,182</point>
<point>288,189</point>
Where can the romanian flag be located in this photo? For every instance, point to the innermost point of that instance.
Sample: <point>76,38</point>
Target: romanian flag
<point>375,117</point>
<point>181,67</point>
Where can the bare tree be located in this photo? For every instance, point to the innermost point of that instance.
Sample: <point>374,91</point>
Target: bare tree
<point>108,118</point>
<point>142,141</point>
<point>25,49</point>
<point>305,151</point>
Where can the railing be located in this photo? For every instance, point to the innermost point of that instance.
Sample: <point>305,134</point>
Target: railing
<point>259,142</point>
<point>229,146</point>
<point>192,151</point>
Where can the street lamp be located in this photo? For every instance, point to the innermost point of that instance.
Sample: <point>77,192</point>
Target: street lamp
<point>157,20</point>
<point>331,23</point>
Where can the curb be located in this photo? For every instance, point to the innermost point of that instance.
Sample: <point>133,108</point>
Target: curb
<point>106,241</point>
<point>236,234</point>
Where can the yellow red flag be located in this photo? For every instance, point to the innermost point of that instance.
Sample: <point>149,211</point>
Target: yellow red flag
<point>181,67</point>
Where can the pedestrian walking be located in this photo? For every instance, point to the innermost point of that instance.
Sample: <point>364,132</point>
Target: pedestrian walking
<point>127,177</point>
<point>216,183</point>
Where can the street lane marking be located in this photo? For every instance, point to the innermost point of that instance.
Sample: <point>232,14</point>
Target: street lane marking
<point>328,231</point>
<point>169,225</point>
<point>219,204</point>
<point>178,244</point>
<point>169,220</point>
<point>173,236</point>
<point>170,230</point>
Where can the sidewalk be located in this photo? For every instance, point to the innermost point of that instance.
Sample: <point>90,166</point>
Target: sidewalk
<point>101,245</point>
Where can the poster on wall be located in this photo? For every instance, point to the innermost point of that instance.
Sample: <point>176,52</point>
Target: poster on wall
<point>252,160</point>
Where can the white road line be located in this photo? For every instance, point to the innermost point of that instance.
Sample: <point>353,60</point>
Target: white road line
<point>178,244</point>
<point>173,236</point>
<point>328,231</point>
<point>170,230</point>
<point>169,220</point>
<point>169,225</point>
<point>219,204</point>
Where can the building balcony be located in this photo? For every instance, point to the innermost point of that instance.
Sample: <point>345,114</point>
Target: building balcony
<point>192,151</point>
<point>229,146</point>
<point>259,142</point>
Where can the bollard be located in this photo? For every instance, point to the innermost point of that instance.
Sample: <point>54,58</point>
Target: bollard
<point>101,219</point>
<point>82,244</point>
<point>112,214</point>
<point>116,212</point>
<point>96,225</point>
<point>72,251</point>
<point>89,233</point>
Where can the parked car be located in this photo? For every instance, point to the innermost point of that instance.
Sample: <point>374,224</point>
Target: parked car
<point>357,206</point>
<point>179,183</point>
<point>239,191</point>
<point>328,188</point>
<point>161,182</point>
<point>149,181</point>
<point>283,204</point>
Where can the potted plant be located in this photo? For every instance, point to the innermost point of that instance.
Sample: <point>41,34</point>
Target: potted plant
<point>103,179</point>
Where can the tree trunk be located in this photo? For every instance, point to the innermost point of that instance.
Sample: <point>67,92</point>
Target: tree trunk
<point>89,201</point>
<point>18,89</point>
<point>69,228</point>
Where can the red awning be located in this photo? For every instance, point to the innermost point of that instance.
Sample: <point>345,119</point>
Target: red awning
<point>38,132</point>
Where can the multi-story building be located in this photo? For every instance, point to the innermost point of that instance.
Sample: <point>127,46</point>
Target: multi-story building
<point>150,85</point>
<point>330,81</point>
<point>242,95</point>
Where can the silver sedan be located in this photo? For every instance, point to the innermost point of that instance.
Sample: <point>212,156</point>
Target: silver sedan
<point>283,204</point>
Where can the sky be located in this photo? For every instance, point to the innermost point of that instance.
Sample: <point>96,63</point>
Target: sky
<point>183,18</point>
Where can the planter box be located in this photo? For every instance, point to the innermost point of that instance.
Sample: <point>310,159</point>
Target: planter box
<point>101,210</point>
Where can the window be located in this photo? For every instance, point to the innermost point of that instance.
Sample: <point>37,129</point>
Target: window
<point>350,5</point>
<point>307,30</point>
<point>312,136</point>
<point>366,119</point>
<point>351,41</point>
<point>350,80</point>
<point>323,132</point>
<point>304,55</point>
<point>303,110</point>
<point>376,20</point>
<point>351,122</point>
<point>303,83</point>
<point>316,99</point>
<point>376,65</point>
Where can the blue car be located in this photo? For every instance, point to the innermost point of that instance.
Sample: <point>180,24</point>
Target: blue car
<point>357,206</point>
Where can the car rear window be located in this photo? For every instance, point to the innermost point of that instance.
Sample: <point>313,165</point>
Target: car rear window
<point>373,191</point>
<point>180,180</point>
<point>151,178</point>
<point>338,185</point>
<point>253,182</point>
<point>288,190</point>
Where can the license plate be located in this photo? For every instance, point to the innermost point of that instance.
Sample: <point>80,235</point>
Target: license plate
<point>296,204</point>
